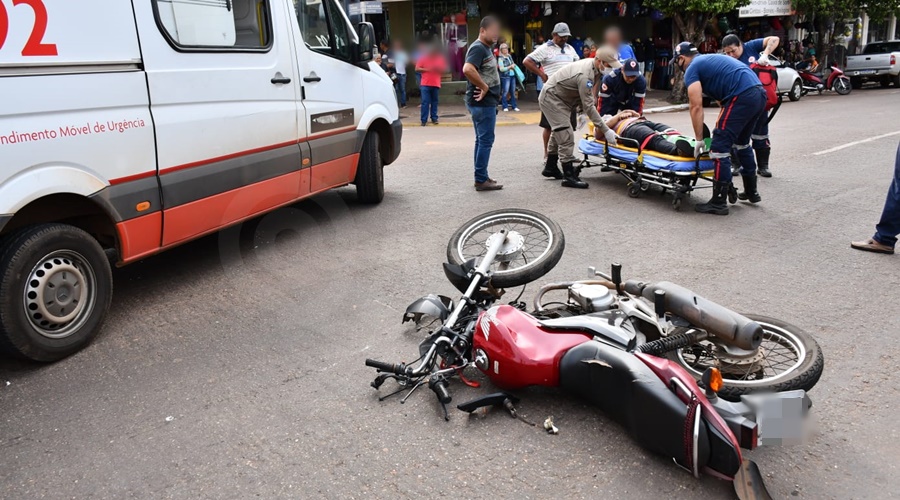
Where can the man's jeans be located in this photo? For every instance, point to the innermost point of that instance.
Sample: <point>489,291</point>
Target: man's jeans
<point>484,118</point>
<point>400,88</point>
<point>508,86</point>
<point>429,103</point>
<point>889,226</point>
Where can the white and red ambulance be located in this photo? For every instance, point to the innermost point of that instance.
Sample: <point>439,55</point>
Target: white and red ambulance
<point>130,126</point>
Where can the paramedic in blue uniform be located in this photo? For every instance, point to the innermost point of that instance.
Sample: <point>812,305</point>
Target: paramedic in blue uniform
<point>743,103</point>
<point>755,51</point>
<point>624,88</point>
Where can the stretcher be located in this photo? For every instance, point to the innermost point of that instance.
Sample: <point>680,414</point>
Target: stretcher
<point>644,168</point>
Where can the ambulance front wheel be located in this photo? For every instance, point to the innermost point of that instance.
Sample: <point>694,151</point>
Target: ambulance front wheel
<point>56,284</point>
<point>370,171</point>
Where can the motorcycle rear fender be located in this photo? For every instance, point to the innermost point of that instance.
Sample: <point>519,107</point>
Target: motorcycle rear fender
<point>632,394</point>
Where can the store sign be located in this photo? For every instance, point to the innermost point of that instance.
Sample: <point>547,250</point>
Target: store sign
<point>766,8</point>
<point>366,7</point>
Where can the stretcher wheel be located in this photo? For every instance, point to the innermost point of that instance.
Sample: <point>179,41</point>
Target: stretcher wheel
<point>676,203</point>
<point>645,186</point>
<point>634,190</point>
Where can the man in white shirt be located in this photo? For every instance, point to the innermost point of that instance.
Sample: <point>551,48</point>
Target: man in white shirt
<point>546,60</point>
<point>401,61</point>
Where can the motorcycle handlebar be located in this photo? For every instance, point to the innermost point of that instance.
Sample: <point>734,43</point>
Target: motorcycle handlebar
<point>386,367</point>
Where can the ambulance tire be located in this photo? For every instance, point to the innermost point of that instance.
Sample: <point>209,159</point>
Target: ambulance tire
<point>370,171</point>
<point>57,286</point>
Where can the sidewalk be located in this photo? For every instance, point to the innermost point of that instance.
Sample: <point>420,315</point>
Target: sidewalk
<point>456,115</point>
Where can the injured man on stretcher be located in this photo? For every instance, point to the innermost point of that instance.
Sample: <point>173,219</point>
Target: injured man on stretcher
<point>650,135</point>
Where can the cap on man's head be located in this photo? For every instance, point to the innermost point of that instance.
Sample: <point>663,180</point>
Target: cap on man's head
<point>630,68</point>
<point>684,49</point>
<point>608,55</point>
<point>562,29</point>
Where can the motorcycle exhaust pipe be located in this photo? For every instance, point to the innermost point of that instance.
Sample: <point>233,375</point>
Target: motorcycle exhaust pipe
<point>719,321</point>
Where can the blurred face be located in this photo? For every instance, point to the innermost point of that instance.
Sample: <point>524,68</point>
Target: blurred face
<point>613,37</point>
<point>734,51</point>
<point>504,49</point>
<point>585,51</point>
<point>398,45</point>
<point>492,32</point>
<point>629,79</point>
<point>560,40</point>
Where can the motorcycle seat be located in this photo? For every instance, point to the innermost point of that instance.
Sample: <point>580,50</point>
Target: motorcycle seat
<point>609,325</point>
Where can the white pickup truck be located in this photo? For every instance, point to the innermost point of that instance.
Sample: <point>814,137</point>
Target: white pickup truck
<point>878,62</point>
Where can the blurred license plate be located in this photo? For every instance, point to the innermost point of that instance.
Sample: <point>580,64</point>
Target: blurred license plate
<point>865,72</point>
<point>781,417</point>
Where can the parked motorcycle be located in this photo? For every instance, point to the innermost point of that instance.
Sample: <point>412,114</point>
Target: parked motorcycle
<point>688,378</point>
<point>816,82</point>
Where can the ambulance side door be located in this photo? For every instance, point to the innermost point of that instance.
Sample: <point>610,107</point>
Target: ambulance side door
<point>332,91</point>
<point>224,100</point>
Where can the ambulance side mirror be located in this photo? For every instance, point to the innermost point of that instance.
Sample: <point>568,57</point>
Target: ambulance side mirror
<point>364,51</point>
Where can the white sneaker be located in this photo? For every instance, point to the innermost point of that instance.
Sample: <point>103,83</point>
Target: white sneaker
<point>505,110</point>
<point>517,110</point>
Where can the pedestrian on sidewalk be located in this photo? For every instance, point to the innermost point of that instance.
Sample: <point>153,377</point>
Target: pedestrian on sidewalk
<point>482,96</point>
<point>546,60</point>
<point>431,66</point>
<point>889,226</point>
<point>506,65</point>
<point>401,61</point>
<point>612,37</point>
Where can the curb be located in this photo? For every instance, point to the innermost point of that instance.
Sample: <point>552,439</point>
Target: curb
<point>661,109</point>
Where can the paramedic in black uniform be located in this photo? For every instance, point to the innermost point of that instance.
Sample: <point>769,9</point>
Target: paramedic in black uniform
<point>623,89</point>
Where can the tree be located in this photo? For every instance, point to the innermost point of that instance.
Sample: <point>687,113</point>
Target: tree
<point>691,18</point>
<point>825,13</point>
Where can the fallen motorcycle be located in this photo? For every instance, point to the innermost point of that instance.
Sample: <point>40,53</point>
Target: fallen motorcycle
<point>688,378</point>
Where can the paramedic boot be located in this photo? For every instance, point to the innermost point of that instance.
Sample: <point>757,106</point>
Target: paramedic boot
<point>762,162</point>
<point>718,204</point>
<point>551,167</point>
<point>750,193</point>
<point>571,178</point>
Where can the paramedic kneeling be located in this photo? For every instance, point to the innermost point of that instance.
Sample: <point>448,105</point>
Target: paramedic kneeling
<point>624,88</point>
<point>568,89</point>
<point>743,102</point>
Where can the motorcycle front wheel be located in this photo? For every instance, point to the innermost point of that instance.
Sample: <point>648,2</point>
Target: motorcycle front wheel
<point>787,359</point>
<point>842,85</point>
<point>534,245</point>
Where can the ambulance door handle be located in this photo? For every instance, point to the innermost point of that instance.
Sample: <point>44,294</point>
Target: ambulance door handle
<point>312,78</point>
<point>280,79</point>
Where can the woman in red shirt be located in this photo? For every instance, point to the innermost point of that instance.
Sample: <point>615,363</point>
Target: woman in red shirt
<point>431,66</point>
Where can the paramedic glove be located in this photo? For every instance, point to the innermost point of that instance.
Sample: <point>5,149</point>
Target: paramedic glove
<point>763,60</point>
<point>611,137</point>
<point>699,148</point>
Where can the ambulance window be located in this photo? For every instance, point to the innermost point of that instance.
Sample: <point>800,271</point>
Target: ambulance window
<point>323,27</point>
<point>216,24</point>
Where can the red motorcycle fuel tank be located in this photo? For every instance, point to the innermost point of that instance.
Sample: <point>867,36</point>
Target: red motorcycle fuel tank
<point>514,351</point>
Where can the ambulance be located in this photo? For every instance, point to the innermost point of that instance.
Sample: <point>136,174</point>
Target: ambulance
<point>128,127</point>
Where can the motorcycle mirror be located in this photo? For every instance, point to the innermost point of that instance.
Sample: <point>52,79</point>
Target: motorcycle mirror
<point>495,399</point>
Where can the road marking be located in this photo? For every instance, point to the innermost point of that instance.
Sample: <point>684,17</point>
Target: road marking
<point>855,143</point>
<point>824,100</point>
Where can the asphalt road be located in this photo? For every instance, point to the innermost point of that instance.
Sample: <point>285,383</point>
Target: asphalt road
<point>232,367</point>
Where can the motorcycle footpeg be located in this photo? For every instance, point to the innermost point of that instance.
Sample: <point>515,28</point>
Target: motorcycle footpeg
<point>495,399</point>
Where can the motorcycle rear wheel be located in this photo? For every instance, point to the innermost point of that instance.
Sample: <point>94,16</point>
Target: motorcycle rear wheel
<point>788,359</point>
<point>534,255</point>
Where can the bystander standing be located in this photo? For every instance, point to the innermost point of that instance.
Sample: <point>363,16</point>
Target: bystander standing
<point>431,67</point>
<point>888,227</point>
<point>482,95</point>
